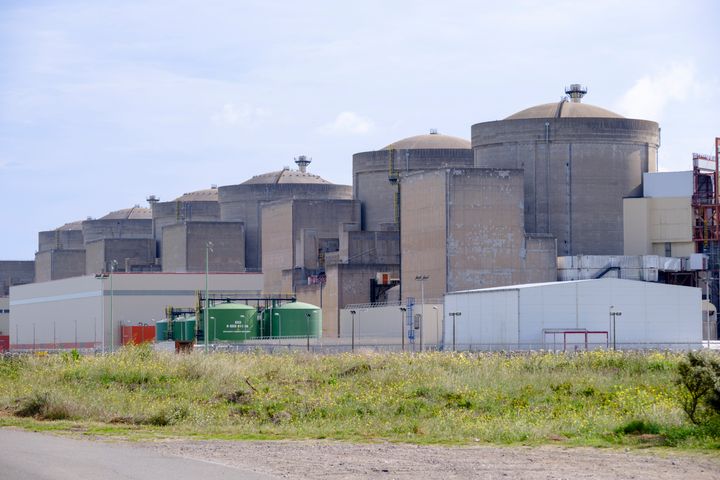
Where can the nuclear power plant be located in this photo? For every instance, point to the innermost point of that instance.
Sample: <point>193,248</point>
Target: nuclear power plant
<point>555,192</point>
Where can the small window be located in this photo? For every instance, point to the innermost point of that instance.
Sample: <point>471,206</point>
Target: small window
<point>668,249</point>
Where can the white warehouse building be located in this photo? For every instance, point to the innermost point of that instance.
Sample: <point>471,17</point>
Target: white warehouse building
<point>87,312</point>
<point>574,315</point>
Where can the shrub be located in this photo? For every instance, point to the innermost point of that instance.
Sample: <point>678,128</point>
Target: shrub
<point>699,379</point>
<point>42,406</point>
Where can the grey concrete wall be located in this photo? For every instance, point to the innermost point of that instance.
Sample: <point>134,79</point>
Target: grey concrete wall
<point>313,229</point>
<point>464,229</point>
<point>128,252</point>
<point>184,247</point>
<point>171,213</point>
<point>116,228</point>
<point>370,247</point>
<point>243,203</point>
<point>59,264</point>
<point>60,240</point>
<point>15,272</point>
<point>576,173</point>
<point>372,169</point>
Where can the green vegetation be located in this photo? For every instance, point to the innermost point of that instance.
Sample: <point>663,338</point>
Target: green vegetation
<point>596,398</point>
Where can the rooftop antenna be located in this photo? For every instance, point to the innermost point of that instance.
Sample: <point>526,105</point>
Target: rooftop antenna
<point>152,199</point>
<point>302,162</point>
<point>576,92</point>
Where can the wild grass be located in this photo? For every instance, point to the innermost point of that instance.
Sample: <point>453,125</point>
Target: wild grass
<point>593,398</point>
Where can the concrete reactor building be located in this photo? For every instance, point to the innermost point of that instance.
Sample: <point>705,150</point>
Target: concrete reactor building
<point>376,173</point>
<point>580,161</point>
<point>243,202</point>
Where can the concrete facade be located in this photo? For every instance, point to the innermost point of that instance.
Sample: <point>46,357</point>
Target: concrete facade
<point>463,228</point>
<point>184,247</point>
<point>130,253</point>
<point>76,311</point>
<point>61,239</point>
<point>199,206</point>
<point>372,172</point>
<point>243,203</point>
<point>658,226</point>
<point>296,236</point>
<point>59,264</point>
<point>15,272</point>
<point>579,162</point>
<point>4,316</point>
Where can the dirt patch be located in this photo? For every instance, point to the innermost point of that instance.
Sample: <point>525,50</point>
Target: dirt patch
<point>336,460</point>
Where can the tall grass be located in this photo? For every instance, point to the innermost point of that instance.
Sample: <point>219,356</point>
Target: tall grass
<point>587,398</point>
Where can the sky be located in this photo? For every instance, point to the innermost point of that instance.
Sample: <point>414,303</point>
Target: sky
<point>103,103</point>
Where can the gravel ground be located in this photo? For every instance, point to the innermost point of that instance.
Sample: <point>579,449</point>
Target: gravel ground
<point>336,460</point>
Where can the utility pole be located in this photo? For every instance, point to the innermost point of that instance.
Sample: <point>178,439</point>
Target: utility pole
<point>352,314</point>
<point>453,315</point>
<point>402,326</point>
<point>113,264</point>
<point>421,279</point>
<point>613,315</point>
<point>208,249</point>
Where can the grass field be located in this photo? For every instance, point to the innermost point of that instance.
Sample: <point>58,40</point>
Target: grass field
<point>595,398</point>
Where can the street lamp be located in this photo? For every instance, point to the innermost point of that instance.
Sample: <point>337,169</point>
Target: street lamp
<point>402,326</point>
<point>113,265</point>
<point>307,326</point>
<point>208,249</point>
<point>453,315</point>
<point>613,315</point>
<point>352,314</point>
<point>437,326</point>
<point>421,279</point>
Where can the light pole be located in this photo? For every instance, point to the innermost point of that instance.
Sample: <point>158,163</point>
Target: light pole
<point>352,328</point>
<point>613,315</point>
<point>113,264</point>
<point>453,315</point>
<point>437,326</point>
<point>33,337</point>
<point>208,249</point>
<point>307,326</point>
<point>421,279</point>
<point>402,326</point>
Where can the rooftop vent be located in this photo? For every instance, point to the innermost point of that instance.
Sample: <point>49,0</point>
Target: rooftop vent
<point>576,92</point>
<point>433,131</point>
<point>213,186</point>
<point>302,162</point>
<point>152,199</point>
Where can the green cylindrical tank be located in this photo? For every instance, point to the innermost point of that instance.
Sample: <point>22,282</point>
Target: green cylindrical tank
<point>294,319</point>
<point>233,322</point>
<point>161,330</point>
<point>184,329</point>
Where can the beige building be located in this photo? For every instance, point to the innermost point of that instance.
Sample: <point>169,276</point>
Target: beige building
<point>464,229</point>
<point>86,312</point>
<point>661,222</point>
<point>4,315</point>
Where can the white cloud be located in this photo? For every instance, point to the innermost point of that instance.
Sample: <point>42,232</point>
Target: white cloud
<point>348,123</point>
<point>651,94</point>
<point>239,115</point>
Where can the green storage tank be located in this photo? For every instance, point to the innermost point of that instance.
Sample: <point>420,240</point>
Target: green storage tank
<point>294,319</point>
<point>161,330</point>
<point>232,322</point>
<point>184,329</point>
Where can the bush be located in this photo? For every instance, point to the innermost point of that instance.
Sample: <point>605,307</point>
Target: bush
<point>699,379</point>
<point>43,406</point>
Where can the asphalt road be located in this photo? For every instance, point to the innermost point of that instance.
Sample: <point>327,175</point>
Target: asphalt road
<point>30,456</point>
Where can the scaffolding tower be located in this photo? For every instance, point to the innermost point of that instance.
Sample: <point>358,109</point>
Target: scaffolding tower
<point>706,215</point>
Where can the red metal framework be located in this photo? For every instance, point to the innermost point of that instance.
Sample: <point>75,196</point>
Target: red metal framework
<point>706,199</point>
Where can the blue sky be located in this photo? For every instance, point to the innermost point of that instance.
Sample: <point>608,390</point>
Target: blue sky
<point>105,102</point>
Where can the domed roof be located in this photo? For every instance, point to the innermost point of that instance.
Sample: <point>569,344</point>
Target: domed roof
<point>432,140</point>
<point>134,213</point>
<point>286,176</point>
<point>564,109</point>
<point>207,195</point>
<point>76,225</point>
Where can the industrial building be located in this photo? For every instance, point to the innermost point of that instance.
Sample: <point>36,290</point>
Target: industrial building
<point>557,191</point>
<point>88,311</point>
<point>603,313</point>
<point>579,162</point>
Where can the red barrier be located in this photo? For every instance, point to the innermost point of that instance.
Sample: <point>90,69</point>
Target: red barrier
<point>137,334</point>
<point>4,343</point>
